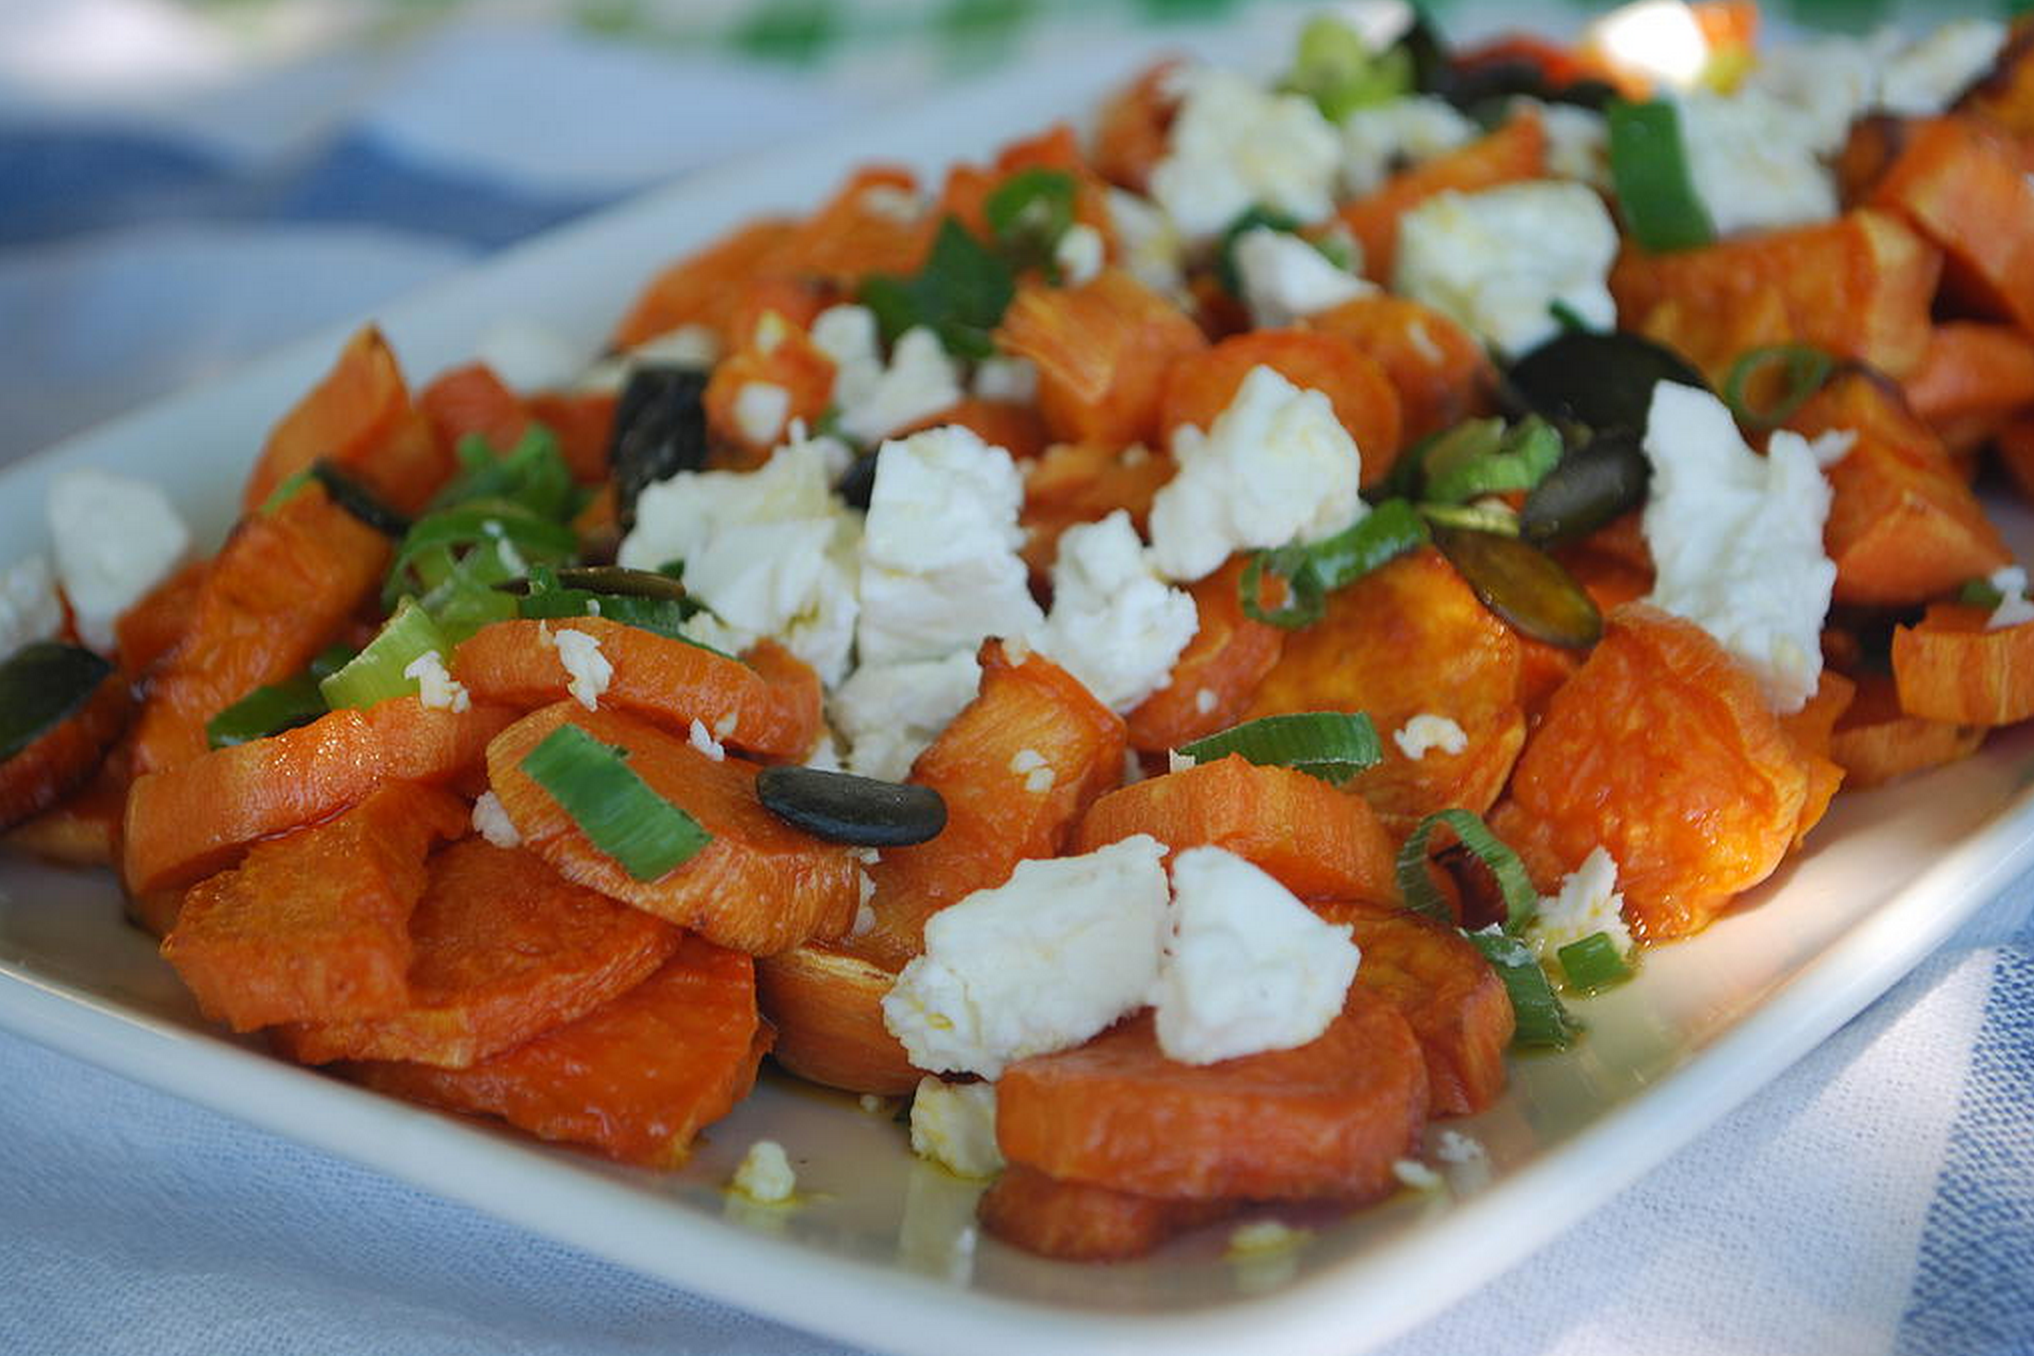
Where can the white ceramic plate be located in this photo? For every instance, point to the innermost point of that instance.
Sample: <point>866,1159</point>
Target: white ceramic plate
<point>883,1250</point>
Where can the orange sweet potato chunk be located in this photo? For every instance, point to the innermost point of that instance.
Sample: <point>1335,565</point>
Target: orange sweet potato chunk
<point>760,886</point>
<point>1103,350</point>
<point>826,1001</point>
<point>63,758</point>
<point>1876,742</point>
<point>1317,841</point>
<point>636,1079</point>
<point>1407,639</point>
<point>1515,151</point>
<point>197,819</point>
<point>1012,425</point>
<point>1441,373</point>
<point>858,232</point>
<point>504,949</point>
<point>1074,1222</point>
<point>1973,372</point>
<point>1662,750</point>
<point>1951,667</point>
<point>2004,98</point>
<point>315,926</point>
<point>1327,1119</point>
<point>1203,384</point>
<point>471,401</point>
<point>1963,185</point>
<point>1812,729</point>
<point>1226,660</point>
<point>1132,128</point>
<point>705,287</point>
<point>788,362</point>
<point>583,422</point>
<point>152,627</point>
<point>999,808</point>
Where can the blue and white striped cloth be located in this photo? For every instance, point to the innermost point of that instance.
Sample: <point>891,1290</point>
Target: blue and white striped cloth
<point>1878,1198</point>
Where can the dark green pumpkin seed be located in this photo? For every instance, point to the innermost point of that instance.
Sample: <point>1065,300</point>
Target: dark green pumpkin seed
<point>843,808</point>
<point>1602,380</point>
<point>1594,483</point>
<point>42,686</point>
<point>1524,585</point>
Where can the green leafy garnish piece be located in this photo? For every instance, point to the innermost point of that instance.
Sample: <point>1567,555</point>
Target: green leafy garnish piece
<point>1491,461</point>
<point>1336,68</point>
<point>533,474</point>
<point>1651,179</point>
<point>1028,213</point>
<point>376,673</point>
<point>960,294</point>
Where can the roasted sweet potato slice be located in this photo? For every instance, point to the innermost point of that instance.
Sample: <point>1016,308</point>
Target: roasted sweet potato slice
<point>635,1079</point>
<point>1662,750</point>
<point>1131,132</point>
<point>1217,676</point>
<point>1084,483</point>
<point>315,926</point>
<point>1015,427</point>
<point>282,588</point>
<point>1951,667</point>
<point>1002,806</point>
<point>1327,1119</point>
<point>826,1002</point>
<point>1441,373</point>
<point>197,819</point>
<point>152,627</point>
<point>1812,728</point>
<point>583,423</point>
<point>1515,151</point>
<point>1876,742</point>
<point>759,886</point>
<point>1450,997</point>
<point>81,829</point>
<point>63,757</point>
<point>1407,639</point>
<point>503,949</point>
<point>656,678</point>
<point>706,286</point>
<point>1963,186</point>
<point>1973,372</point>
<point>469,401</point>
<point>1319,842</point>
<point>1075,1222</point>
<point>1103,351</point>
<point>858,231</point>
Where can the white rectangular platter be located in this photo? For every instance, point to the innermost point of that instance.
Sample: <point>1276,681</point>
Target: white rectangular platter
<point>882,1251</point>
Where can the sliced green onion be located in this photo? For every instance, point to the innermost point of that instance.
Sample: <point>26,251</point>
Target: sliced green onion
<point>1387,532</point>
<point>1336,68</point>
<point>1305,602</point>
<point>1519,459</point>
<point>1979,593</point>
<point>1541,1022</point>
<point>1650,176</point>
<point>429,552</point>
<point>1520,899</point>
<point>1803,371</point>
<point>550,598</point>
<point>960,294</point>
<point>1592,964</point>
<point>376,673</point>
<point>275,707</point>
<point>1331,745</point>
<point>617,810</point>
<point>1029,212</point>
<point>1568,318</point>
<point>1498,522</point>
<point>286,489</point>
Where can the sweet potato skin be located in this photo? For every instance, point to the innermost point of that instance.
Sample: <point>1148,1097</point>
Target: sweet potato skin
<point>1961,184</point>
<point>826,1000</point>
<point>1877,743</point>
<point>1104,350</point>
<point>1950,667</point>
<point>1077,1222</point>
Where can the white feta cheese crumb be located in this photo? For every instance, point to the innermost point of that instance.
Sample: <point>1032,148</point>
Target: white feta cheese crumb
<point>1826,83</point>
<point>865,891</point>
<point>30,608</point>
<point>1286,279</point>
<point>1832,447</point>
<point>772,329</point>
<point>1659,40</point>
<point>1379,140</point>
<point>588,670</point>
<point>1578,143</point>
<point>954,1125</point>
<point>1276,467</point>
<point>850,337</point>
<point>939,563</point>
<point>1588,903</point>
<point>874,1105</point>
<point>725,727</point>
<point>702,739</point>
<point>436,687</point>
<point>1926,76</point>
<point>1078,253</point>
<point>1265,1235</point>
<point>1495,262</point>
<point>1236,145</point>
<point>892,203</point>
<point>1175,761</point>
<point>1026,760</point>
<point>1736,539</point>
<point>1426,732</point>
<point>876,400</point>
<point>888,713</point>
<point>1049,958</point>
<point>2013,608</point>
<point>825,754</point>
<point>1417,1175</point>
<point>1205,700</point>
<point>1247,967</point>
<point>1150,246</point>
<point>1452,1146</point>
<point>529,356</point>
<point>770,551</point>
<point>1752,163</point>
<point>765,1175</point>
<point>115,538</point>
<point>491,821</point>
<point>865,916</point>
<point>760,409</point>
<point>1115,625</point>
<point>1003,377</point>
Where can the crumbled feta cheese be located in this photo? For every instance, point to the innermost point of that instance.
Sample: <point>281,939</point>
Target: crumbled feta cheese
<point>1588,903</point>
<point>1078,253</point>
<point>1417,1175</point>
<point>1751,164</point>
<point>491,821</point>
<point>1265,1235</point>
<point>1379,140</point>
<point>1052,956</point>
<point>1659,40</point>
<point>30,608</point>
<point>1175,761</point>
<point>1927,75</point>
<point>2013,608</point>
<point>1115,625</point>
<point>874,1105</point>
<point>1148,243</point>
<point>115,538</point>
<point>954,1125</point>
<point>939,563</point>
<point>1003,377</point>
<point>825,755</point>
<point>694,346</point>
<point>1236,145</point>
<point>588,670</point>
<point>770,551</point>
<point>765,1174</point>
<point>888,713</point>
<point>865,914</point>
<point>1736,539</point>
<point>1286,279</point>
<point>1025,760</point>
<point>702,739</point>
<point>1452,1146</point>
<point>1276,467</point>
<point>876,400</point>
<point>1578,144</point>
<point>436,687</point>
<point>1426,732</point>
<point>760,409</point>
<point>849,336</point>
<point>1206,700</point>
<point>1247,967</point>
<point>529,356</point>
<point>1496,261</point>
<point>772,329</point>
<point>1825,83</point>
<point>1832,447</point>
<point>891,202</point>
